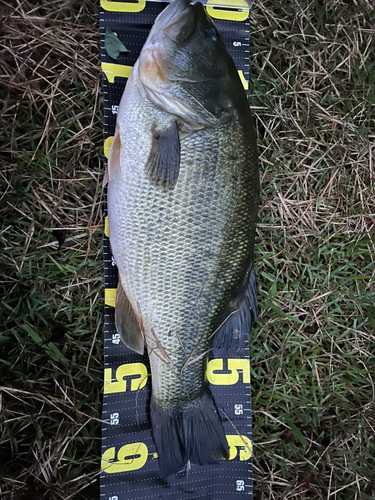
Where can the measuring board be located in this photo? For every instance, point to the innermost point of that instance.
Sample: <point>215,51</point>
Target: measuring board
<point>129,466</point>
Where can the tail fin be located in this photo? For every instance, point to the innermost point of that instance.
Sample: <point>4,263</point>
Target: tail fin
<point>193,432</point>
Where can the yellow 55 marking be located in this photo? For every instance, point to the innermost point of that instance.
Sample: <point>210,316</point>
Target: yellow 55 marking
<point>133,456</point>
<point>234,366</point>
<point>217,9</point>
<point>112,70</point>
<point>123,371</point>
<point>123,6</point>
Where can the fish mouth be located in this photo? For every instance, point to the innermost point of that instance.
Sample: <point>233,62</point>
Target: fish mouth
<point>175,24</point>
<point>165,69</point>
<point>172,13</point>
<point>179,20</point>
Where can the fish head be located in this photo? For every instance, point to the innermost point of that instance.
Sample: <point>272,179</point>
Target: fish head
<point>185,69</point>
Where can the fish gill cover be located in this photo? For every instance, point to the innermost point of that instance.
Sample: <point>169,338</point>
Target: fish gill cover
<point>130,466</point>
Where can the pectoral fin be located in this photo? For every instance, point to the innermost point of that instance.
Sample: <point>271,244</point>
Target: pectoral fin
<point>163,163</point>
<point>127,323</point>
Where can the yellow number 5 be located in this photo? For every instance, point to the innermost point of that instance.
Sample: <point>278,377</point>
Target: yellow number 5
<point>234,366</point>
<point>241,442</point>
<point>122,371</point>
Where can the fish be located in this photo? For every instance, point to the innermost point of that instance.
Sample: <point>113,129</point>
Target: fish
<point>182,198</point>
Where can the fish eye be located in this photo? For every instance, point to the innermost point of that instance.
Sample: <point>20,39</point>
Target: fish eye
<point>212,33</point>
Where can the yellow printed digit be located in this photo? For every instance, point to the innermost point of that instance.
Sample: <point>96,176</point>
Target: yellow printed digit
<point>112,70</point>
<point>107,146</point>
<point>242,443</point>
<point>244,82</point>
<point>238,12</point>
<point>106,227</point>
<point>121,385</point>
<point>129,457</point>
<point>110,296</point>
<point>137,6</point>
<point>216,365</point>
<point>234,366</point>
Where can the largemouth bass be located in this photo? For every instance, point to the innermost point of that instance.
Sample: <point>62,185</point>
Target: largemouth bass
<point>183,189</point>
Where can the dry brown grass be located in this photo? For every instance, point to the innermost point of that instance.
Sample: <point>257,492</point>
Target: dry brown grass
<point>51,350</point>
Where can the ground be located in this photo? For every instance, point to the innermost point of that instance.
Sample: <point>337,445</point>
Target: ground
<point>312,91</point>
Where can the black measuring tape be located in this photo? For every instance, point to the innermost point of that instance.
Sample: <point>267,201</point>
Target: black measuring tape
<point>129,466</point>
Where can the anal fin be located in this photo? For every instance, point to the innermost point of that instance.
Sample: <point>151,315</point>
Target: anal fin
<point>163,163</point>
<point>127,323</point>
<point>238,319</point>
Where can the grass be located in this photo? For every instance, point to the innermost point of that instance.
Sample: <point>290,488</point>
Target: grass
<point>313,350</point>
<point>52,298</point>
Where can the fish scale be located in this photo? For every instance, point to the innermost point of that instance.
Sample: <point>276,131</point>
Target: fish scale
<point>167,270</point>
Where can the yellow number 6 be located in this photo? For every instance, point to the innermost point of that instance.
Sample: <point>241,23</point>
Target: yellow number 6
<point>129,457</point>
